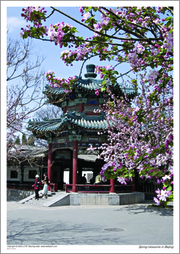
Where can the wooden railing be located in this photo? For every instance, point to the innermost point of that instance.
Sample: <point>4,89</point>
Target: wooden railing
<point>99,188</point>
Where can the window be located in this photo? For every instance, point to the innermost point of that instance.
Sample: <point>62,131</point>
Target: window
<point>32,173</point>
<point>14,174</point>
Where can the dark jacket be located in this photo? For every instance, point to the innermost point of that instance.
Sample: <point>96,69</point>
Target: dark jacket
<point>46,180</point>
<point>37,184</point>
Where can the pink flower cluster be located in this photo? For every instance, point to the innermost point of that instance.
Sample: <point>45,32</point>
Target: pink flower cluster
<point>133,57</point>
<point>144,150</point>
<point>56,32</point>
<point>99,70</point>
<point>168,44</point>
<point>152,76</point>
<point>86,16</point>
<point>60,82</point>
<point>35,15</point>
<point>77,54</point>
<point>30,13</point>
<point>162,195</point>
<point>104,22</point>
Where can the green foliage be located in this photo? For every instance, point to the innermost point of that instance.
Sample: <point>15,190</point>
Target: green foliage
<point>30,140</point>
<point>17,141</point>
<point>24,139</point>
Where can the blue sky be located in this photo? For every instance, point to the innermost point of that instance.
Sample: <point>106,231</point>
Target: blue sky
<point>52,52</point>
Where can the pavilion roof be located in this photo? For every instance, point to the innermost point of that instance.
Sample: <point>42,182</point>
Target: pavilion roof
<point>73,120</point>
<point>84,88</point>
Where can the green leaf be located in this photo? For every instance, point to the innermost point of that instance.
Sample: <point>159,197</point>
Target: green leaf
<point>168,18</point>
<point>103,89</point>
<point>169,188</point>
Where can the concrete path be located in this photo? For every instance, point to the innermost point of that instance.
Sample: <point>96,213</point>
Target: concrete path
<point>29,224</point>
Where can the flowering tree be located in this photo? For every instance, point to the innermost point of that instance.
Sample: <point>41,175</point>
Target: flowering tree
<point>24,81</point>
<point>140,131</point>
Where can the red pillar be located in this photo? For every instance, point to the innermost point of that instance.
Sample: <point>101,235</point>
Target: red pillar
<point>81,107</point>
<point>112,189</point>
<point>50,164</point>
<point>64,110</point>
<point>75,158</point>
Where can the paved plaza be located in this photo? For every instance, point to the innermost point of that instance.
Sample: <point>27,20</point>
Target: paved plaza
<point>136,224</point>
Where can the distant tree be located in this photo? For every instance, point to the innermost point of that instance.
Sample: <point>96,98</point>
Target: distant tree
<point>17,141</point>
<point>48,111</point>
<point>30,140</point>
<point>24,139</point>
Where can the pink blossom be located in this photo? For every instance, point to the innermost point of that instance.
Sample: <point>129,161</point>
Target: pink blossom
<point>86,15</point>
<point>96,92</point>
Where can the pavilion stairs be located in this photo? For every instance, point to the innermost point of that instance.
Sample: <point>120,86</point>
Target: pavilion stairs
<point>54,199</point>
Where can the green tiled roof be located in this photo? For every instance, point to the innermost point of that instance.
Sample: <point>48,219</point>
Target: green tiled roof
<point>86,87</point>
<point>53,90</point>
<point>72,119</point>
<point>89,84</point>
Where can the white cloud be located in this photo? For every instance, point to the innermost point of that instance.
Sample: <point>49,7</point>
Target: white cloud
<point>14,23</point>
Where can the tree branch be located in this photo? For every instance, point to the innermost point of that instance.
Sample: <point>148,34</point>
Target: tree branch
<point>105,35</point>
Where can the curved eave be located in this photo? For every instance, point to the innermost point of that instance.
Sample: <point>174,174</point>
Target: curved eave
<point>70,119</point>
<point>89,125</point>
<point>89,84</point>
<point>49,126</point>
<point>56,95</point>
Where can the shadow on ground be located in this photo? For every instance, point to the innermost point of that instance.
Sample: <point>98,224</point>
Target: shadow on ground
<point>144,208</point>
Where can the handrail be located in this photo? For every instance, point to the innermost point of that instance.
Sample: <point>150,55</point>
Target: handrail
<point>95,185</point>
<point>88,185</point>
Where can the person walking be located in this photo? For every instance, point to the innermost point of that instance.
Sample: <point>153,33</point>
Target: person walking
<point>45,181</point>
<point>83,179</point>
<point>36,186</point>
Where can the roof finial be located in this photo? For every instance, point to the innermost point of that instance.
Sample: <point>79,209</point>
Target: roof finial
<point>90,71</point>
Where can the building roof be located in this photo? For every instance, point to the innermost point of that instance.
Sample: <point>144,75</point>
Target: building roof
<point>71,120</point>
<point>85,88</point>
<point>30,152</point>
<point>27,151</point>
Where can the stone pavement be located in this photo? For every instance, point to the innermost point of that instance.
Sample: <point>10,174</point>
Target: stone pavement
<point>137,224</point>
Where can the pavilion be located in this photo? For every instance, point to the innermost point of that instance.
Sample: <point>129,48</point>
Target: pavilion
<point>78,128</point>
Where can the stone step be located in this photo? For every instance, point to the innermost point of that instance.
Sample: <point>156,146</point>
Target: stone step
<point>42,201</point>
<point>23,201</point>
